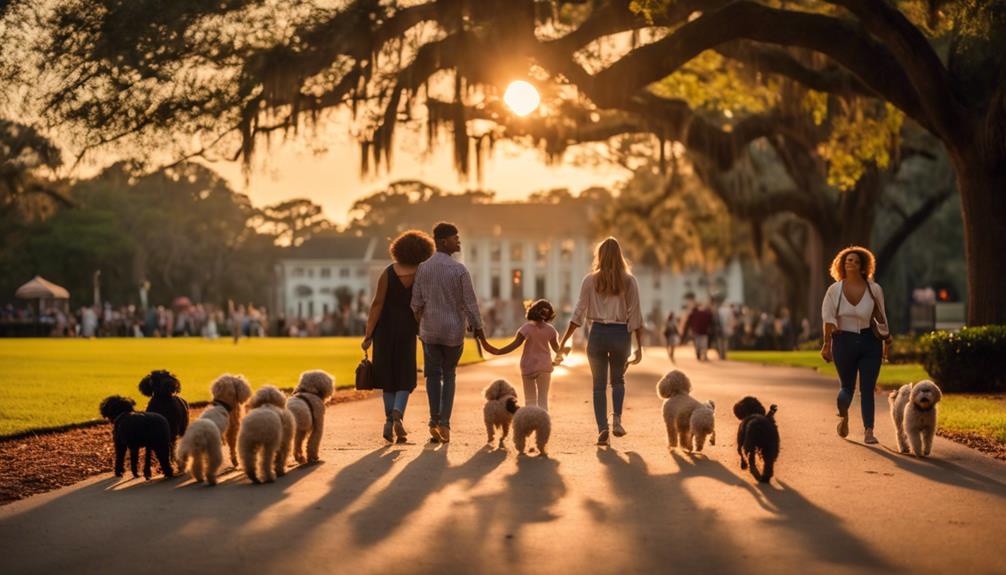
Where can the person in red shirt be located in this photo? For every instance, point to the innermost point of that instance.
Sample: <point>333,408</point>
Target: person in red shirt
<point>699,323</point>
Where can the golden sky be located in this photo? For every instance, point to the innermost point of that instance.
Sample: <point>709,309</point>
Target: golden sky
<point>331,176</point>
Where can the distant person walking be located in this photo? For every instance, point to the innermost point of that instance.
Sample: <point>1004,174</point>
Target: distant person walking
<point>672,335</point>
<point>852,310</point>
<point>700,325</point>
<point>443,298</point>
<point>392,329</point>
<point>609,299</point>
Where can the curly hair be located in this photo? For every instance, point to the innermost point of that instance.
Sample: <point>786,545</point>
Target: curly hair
<point>411,248</point>
<point>867,262</point>
<point>541,310</point>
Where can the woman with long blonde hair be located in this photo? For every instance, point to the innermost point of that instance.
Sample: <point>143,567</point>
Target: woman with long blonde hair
<point>609,299</point>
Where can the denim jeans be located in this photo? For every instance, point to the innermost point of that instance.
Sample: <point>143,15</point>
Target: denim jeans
<point>395,400</point>
<point>440,363</point>
<point>607,352</point>
<point>857,354</point>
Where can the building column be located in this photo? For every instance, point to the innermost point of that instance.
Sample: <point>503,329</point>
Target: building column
<point>485,275</point>
<point>530,275</point>
<point>506,271</point>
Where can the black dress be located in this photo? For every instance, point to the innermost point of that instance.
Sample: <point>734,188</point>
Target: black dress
<point>395,339</point>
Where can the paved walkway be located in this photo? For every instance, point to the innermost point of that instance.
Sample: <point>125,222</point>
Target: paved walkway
<point>836,507</point>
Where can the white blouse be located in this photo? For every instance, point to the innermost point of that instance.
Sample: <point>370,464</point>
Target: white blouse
<point>837,310</point>
<point>621,308</point>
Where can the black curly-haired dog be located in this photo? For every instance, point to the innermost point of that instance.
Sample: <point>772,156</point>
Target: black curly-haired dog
<point>757,434</point>
<point>162,387</point>
<point>135,430</point>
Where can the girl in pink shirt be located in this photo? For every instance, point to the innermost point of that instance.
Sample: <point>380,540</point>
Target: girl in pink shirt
<point>537,336</point>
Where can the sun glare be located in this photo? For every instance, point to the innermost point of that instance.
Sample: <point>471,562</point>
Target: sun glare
<point>521,97</point>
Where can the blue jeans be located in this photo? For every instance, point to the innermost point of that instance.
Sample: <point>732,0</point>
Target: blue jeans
<point>857,354</point>
<point>440,362</point>
<point>395,400</point>
<point>607,352</point>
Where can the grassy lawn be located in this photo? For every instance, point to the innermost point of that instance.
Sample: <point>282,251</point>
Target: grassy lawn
<point>983,415</point>
<point>51,382</point>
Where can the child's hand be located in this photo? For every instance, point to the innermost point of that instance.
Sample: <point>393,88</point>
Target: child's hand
<point>558,359</point>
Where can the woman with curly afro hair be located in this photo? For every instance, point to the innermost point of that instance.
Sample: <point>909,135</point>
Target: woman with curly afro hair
<point>854,316</point>
<point>392,329</point>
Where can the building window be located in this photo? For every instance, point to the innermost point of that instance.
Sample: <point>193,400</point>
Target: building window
<point>539,287</point>
<point>303,291</point>
<point>298,272</point>
<point>310,308</point>
<point>495,286</point>
<point>473,254</point>
<point>495,252</point>
<point>326,290</point>
<point>344,272</point>
<point>541,253</point>
<point>361,272</point>
<point>567,250</point>
<point>324,309</point>
<point>517,278</point>
<point>326,272</point>
<point>517,251</point>
<point>310,272</point>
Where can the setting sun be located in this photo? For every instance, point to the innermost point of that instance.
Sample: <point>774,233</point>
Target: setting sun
<point>521,97</point>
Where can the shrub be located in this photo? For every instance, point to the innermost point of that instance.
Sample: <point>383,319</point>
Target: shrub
<point>907,349</point>
<point>973,359</point>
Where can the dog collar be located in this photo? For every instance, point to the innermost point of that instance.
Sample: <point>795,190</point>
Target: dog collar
<point>223,404</point>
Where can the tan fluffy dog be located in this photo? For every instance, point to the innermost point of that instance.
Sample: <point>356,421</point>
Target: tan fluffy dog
<point>266,435</point>
<point>202,442</point>
<point>308,408</point>
<point>495,411</point>
<point>702,425</point>
<point>913,409</point>
<point>674,388</point>
<point>531,418</point>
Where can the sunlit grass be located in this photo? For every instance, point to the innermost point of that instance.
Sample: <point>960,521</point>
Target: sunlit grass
<point>51,382</point>
<point>892,376</point>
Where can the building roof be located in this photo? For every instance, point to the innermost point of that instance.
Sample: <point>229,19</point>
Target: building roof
<point>524,219</point>
<point>330,247</point>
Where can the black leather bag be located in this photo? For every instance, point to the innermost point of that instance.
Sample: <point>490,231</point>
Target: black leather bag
<point>365,374</point>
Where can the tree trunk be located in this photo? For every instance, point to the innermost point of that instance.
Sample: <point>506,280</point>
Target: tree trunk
<point>982,186</point>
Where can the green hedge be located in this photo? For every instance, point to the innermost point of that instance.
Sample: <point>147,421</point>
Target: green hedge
<point>971,360</point>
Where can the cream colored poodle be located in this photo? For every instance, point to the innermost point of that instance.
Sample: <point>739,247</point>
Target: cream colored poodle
<point>498,394</point>
<point>702,425</point>
<point>203,440</point>
<point>528,419</point>
<point>266,435</point>
<point>674,388</point>
<point>308,408</point>
<point>913,409</point>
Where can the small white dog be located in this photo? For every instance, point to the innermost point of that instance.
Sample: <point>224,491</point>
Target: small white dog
<point>266,435</point>
<point>202,442</point>
<point>678,408</point>
<point>308,408</point>
<point>913,409</point>
<point>496,412</point>
<point>702,424</point>
<point>528,419</point>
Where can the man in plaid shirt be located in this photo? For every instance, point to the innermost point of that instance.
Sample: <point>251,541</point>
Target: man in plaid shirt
<point>443,299</point>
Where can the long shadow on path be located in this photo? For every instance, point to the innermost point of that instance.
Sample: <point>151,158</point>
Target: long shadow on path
<point>941,471</point>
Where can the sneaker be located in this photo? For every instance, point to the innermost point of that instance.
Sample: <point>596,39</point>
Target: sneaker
<point>445,434</point>
<point>387,432</point>
<point>602,438</point>
<point>843,426</point>
<point>434,434</point>
<point>396,420</point>
<point>868,437</point>
<point>617,429</point>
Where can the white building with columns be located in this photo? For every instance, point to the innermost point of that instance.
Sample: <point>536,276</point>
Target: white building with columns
<point>514,251</point>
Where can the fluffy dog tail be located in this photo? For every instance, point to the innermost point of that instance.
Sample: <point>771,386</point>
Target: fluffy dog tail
<point>498,389</point>
<point>771,411</point>
<point>674,383</point>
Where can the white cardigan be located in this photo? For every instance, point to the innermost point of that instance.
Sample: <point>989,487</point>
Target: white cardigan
<point>854,318</point>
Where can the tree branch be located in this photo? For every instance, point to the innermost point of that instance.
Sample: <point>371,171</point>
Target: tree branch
<point>909,225</point>
<point>831,79</point>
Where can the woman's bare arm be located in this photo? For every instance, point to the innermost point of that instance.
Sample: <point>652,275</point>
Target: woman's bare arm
<point>375,309</point>
<point>517,342</point>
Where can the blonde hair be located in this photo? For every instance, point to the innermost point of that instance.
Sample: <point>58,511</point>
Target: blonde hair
<point>610,268</point>
<point>867,263</point>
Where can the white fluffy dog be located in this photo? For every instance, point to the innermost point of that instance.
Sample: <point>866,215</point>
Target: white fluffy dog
<point>702,424</point>
<point>266,435</point>
<point>913,409</point>
<point>678,408</point>
<point>531,418</point>
<point>308,408</point>
<point>220,421</point>
<point>498,394</point>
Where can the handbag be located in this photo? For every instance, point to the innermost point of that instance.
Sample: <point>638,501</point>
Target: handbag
<point>365,373</point>
<point>878,322</point>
